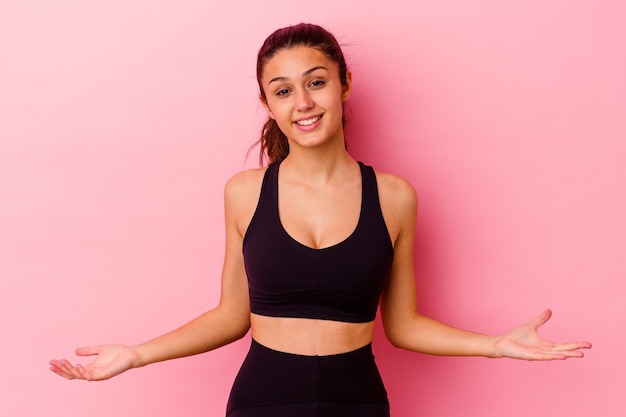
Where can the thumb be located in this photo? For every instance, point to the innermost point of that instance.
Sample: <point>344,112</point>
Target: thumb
<point>541,319</point>
<point>88,351</point>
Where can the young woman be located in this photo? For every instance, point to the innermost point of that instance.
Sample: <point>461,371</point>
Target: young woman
<point>314,241</point>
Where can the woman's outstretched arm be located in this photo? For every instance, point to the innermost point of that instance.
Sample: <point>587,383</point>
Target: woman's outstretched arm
<point>406,328</point>
<point>227,322</point>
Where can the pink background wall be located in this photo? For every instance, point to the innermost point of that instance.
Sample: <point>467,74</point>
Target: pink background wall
<point>120,121</point>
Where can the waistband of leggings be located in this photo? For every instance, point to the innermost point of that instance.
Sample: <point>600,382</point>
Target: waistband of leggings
<point>364,350</point>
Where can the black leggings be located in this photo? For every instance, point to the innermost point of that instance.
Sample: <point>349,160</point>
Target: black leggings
<point>279,384</point>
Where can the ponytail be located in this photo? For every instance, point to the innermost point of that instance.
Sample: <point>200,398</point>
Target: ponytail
<point>273,144</point>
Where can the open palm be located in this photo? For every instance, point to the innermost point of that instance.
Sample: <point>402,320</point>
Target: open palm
<point>111,360</point>
<point>524,343</point>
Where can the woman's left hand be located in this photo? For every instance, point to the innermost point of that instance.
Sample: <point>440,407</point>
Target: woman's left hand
<point>524,343</point>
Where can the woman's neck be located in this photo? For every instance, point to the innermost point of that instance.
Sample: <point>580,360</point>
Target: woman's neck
<point>318,167</point>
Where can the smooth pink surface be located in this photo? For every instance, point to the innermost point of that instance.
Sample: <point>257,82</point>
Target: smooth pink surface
<point>121,121</point>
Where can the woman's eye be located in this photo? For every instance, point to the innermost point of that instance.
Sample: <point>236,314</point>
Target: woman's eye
<point>282,92</point>
<point>317,83</point>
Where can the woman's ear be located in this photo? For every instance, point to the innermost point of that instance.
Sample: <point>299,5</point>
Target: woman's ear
<point>346,89</point>
<point>266,107</point>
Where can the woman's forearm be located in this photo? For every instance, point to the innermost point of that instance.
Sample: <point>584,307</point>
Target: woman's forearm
<point>209,331</point>
<point>425,335</point>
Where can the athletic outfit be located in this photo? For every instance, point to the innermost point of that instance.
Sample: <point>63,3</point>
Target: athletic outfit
<point>342,282</point>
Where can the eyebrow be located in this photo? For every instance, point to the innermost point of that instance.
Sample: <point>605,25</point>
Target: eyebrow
<point>304,74</point>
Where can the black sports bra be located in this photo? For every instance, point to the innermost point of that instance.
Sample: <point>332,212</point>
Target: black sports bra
<point>342,282</point>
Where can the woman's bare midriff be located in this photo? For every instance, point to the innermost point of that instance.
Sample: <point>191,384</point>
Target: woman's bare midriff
<point>310,337</point>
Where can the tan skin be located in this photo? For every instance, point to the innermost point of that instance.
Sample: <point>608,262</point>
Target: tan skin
<point>321,179</point>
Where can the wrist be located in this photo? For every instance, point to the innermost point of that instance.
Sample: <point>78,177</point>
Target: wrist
<point>139,356</point>
<point>496,351</point>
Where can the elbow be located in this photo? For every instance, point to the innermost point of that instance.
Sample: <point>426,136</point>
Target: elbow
<point>240,327</point>
<point>402,332</point>
<point>242,330</point>
<point>396,336</point>
<point>396,340</point>
<point>233,323</point>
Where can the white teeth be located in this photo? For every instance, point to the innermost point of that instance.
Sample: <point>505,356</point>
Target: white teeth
<point>308,122</point>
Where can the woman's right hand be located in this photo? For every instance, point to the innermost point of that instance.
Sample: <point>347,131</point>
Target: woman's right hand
<point>111,360</point>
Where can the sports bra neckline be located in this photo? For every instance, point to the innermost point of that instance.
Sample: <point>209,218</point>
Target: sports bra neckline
<point>331,246</point>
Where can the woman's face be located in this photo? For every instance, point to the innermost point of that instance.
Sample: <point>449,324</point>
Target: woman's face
<point>305,97</point>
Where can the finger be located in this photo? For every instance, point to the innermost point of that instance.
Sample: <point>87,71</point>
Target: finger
<point>56,367</point>
<point>65,369</point>
<point>548,354</point>
<point>571,346</point>
<point>573,354</point>
<point>71,369</point>
<point>562,355</point>
<point>88,350</point>
<point>563,351</point>
<point>541,319</point>
<point>75,370</point>
<point>61,373</point>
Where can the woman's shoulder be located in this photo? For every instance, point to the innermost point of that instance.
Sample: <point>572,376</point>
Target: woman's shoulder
<point>398,203</point>
<point>242,189</point>
<point>395,188</point>
<point>246,179</point>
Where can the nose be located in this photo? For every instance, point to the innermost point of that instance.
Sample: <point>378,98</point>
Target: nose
<point>304,101</point>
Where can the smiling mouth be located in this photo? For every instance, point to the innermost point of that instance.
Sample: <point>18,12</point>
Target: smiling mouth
<point>308,122</point>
